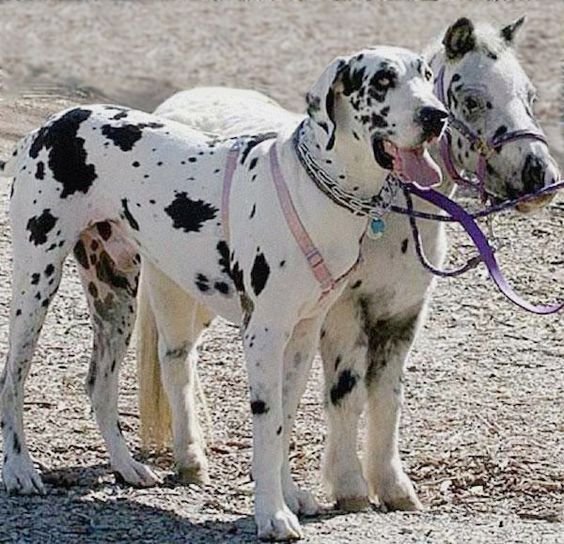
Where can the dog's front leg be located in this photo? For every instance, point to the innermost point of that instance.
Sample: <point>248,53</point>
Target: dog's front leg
<point>344,347</point>
<point>264,344</point>
<point>383,465</point>
<point>298,357</point>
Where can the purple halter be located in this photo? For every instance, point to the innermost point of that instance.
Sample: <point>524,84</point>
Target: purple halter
<point>485,148</point>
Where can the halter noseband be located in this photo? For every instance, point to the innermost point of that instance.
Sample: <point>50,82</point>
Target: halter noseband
<point>485,147</point>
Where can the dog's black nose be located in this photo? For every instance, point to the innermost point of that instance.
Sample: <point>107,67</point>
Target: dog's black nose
<point>432,120</point>
<point>532,174</point>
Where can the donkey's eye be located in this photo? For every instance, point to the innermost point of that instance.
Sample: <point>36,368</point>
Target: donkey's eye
<point>471,103</point>
<point>532,97</point>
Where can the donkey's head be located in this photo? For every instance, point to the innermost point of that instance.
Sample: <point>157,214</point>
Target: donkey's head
<point>486,88</point>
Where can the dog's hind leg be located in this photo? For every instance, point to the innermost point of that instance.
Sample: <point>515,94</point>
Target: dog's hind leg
<point>344,351</point>
<point>179,321</point>
<point>109,271</point>
<point>37,267</point>
<point>390,343</point>
<point>298,357</point>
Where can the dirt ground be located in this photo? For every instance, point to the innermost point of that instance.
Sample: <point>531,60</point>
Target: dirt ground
<point>483,427</point>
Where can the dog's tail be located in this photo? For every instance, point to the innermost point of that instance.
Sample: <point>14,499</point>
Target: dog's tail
<point>154,409</point>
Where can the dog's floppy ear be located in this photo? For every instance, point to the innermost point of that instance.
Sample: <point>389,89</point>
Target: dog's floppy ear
<point>321,99</point>
<point>459,39</point>
<point>508,32</point>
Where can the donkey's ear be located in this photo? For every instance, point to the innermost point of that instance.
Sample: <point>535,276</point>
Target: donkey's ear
<point>459,39</point>
<point>508,32</point>
<point>321,99</point>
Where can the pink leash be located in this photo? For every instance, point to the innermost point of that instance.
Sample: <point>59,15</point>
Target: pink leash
<point>311,253</point>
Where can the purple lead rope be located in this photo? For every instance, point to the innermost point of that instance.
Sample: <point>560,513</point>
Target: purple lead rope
<point>486,252</point>
<point>457,214</point>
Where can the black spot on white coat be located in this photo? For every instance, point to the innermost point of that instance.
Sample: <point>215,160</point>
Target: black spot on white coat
<point>202,283</point>
<point>259,273</point>
<point>40,170</point>
<point>125,136</point>
<point>40,226</point>
<point>67,156</point>
<point>259,407</point>
<point>128,216</point>
<point>189,215</point>
<point>345,384</point>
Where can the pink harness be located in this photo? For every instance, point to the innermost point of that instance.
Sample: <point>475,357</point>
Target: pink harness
<point>310,252</point>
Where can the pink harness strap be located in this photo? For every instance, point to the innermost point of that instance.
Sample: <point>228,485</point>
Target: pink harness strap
<point>230,166</point>
<point>311,253</point>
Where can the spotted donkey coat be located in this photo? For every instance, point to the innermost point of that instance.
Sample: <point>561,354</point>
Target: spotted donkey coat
<point>108,182</point>
<point>367,334</point>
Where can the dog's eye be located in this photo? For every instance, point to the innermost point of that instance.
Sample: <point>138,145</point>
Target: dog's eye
<point>383,81</point>
<point>428,74</point>
<point>531,97</point>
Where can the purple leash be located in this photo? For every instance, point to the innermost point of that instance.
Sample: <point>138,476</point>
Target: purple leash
<point>456,213</point>
<point>486,252</point>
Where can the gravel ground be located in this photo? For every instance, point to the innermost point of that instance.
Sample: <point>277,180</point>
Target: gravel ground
<point>483,428</point>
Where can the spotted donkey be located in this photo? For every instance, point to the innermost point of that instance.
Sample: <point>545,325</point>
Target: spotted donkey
<point>367,334</point>
<point>108,182</point>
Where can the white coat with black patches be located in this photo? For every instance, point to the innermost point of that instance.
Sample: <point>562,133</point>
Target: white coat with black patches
<point>109,183</point>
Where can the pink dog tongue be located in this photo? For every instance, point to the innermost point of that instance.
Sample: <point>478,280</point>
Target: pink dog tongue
<point>417,166</point>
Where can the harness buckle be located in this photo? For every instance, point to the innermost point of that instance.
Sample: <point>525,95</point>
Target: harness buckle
<point>483,148</point>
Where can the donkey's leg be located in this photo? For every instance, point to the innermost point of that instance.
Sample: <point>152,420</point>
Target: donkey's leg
<point>180,321</point>
<point>109,270</point>
<point>344,352</point>
<point>390,343</point>
<point>298,357</point>
<point>37,270</point>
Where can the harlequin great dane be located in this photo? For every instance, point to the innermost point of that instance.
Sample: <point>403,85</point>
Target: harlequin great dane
<point>367,334</point>
<point>226,221</point>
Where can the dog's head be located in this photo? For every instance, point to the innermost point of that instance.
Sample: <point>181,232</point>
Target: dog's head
<point>487,89</point>
<point>381,98</point>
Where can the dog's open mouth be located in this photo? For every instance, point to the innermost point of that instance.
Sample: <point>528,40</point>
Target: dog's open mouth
<point>413,165</point>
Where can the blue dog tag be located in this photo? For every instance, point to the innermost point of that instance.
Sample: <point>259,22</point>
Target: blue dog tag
<point>376,228</point>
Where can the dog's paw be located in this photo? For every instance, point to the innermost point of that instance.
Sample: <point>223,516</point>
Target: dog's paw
<point>136,474</point>
<point>397,493</point>
<point>21,478</point>
<point>301,502</point>
<point>282,525</point>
